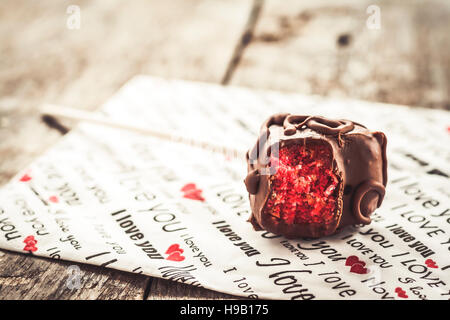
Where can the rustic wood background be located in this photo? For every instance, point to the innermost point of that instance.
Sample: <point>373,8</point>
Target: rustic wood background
<point>313,47</point>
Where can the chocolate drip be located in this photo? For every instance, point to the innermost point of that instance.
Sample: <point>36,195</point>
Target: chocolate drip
<point>367,198</point>
<point>252,181</point>
<point>320,124</point>
<point>383,143</point>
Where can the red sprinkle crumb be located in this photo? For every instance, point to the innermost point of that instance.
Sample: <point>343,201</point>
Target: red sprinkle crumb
<point>304,188</point>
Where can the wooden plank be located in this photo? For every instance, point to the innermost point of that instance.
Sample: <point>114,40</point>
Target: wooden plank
<point>41,60</point>
<point>324,47</point>
<point>161,289</point>
<point>23,277</point>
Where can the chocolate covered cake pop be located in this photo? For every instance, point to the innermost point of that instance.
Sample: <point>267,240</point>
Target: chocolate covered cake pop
<point>309,176</point>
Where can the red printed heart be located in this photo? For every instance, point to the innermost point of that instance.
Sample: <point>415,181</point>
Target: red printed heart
<point>191,192</point>
<point>175,256</point>
<point>359,269</point>
<point>25,178</point>
<point>30,248</point>
<point>194,195</point>
<point>173,248</point>
<point>189,186</point>
<point>28,239</point>
<point>431,264</point>
<point>53,199</point>
<point>31,242</point>
<point>351,260</point>
<point>401,293</point>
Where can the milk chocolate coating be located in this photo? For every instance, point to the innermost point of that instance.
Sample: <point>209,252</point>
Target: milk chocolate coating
<point>359,162</point>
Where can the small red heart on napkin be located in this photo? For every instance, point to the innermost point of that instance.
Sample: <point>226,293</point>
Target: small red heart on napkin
<point>30,244</point>
<point>174,252</point>
<point>351,260</point>
<point>191,191</point>
<point>174,247</point>
<point>431,264</point>
<point>53,199</point>
<point>25,178</point>
<point>30,248</point>
<point>359,269</point>
<point>401,293</point>
<point>189,186</point>
<point>29,238</point>
<point>175,256</point>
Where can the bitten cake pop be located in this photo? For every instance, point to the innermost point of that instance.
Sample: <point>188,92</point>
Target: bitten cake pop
<point>309,176</point>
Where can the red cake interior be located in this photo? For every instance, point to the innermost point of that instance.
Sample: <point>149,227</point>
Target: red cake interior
<point>304,188</point>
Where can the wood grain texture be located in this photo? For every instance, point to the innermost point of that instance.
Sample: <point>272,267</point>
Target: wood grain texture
<point>41,60</point>
<point>25,277</point>
<point>324,47</point>
<point>161,289</point>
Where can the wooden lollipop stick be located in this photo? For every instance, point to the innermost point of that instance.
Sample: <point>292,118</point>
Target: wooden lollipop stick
<point>80,115</point>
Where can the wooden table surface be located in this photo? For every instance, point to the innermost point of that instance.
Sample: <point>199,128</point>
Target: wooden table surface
<point>313,47</point>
